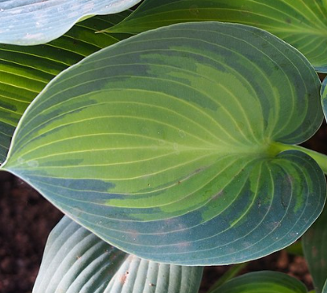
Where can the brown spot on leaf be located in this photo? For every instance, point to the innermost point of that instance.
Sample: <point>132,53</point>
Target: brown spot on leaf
<point>123,278</point>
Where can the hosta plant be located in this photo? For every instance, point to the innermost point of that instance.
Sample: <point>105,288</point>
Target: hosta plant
<point>169,150</point>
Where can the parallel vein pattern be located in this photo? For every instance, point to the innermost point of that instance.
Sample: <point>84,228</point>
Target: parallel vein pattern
<point>163,144</point>
<point>76,261</point>
<point>142,276</point>
<point>33,22</point>
<point>302,23</point>
<point>25,71</point>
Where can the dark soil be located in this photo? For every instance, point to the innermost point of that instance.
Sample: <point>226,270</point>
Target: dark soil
<point>26,219</point>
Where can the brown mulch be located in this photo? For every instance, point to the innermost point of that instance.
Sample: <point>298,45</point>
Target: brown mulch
<point>26,219</point>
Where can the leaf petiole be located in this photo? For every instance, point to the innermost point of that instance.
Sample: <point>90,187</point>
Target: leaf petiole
<point>321,159</point>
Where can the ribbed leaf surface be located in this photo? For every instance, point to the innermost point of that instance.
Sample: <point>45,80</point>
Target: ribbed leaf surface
<point>25,71</point>
<point>302,23</point>
<point>263,282</point>
<point>76,261</point>
<point>167,145</point>
<point>314,247</point>
<point>142,276</point>
<point>32,22</point>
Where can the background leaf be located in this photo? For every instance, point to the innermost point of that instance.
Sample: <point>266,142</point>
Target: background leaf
<point>314,247</point>
<point>324,97</point>
<point>33,22</point>
<point>76,261</point>
<point>140,276</point>
<point>25,71</point>
<point>295,248</point>
<point>303,24</point>
<point>162,147</point>
<point>324,290</point>
<point>263,282</point>
<point>232,272</point>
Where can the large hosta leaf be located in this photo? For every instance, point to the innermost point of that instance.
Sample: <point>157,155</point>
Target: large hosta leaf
<point>25,71</point>
<point>168,144</point>
<point>31,22</point>
<point>315,251</point>
<point>263,282</point>
<point>300,23</point>
<point>76,261</point>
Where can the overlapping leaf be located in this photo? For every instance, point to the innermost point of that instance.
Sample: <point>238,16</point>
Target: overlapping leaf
<point>77,261</point>
<point>25,71</point>
<point>263,282</point>
<point>231,273</point>
<point>139,276</point>
<point>32,22</point>
<point>314,246</point>
<point>301,23</point>
<point>168,144</point>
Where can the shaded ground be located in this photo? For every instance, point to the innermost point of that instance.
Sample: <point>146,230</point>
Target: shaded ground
<point>26,220</point>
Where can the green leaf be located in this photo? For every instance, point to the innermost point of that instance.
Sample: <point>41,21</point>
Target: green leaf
<point>25,71</point>
<point>263,282</point>
<point>314,247</point>
<point>140,275</point>
<point>167,145</point>
<point>303,24</point>
<point>324,290</point>
<point>295,248</point>
<point>230,274</point>
<point>76,261</point>
<point>32,22</point>
<point>324,97</point>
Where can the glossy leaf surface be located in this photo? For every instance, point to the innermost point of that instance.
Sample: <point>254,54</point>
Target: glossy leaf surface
<point>167,145</point>
<point>314,247</point>
<point>263,282</point>
<point>302,24</point>
<point>32,22</point>
<point>77,261</point>
<point>25,71</point>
